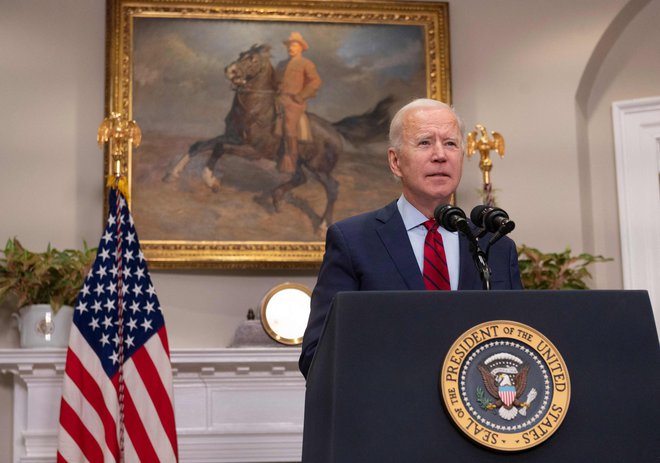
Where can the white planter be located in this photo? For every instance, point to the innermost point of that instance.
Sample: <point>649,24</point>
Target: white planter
<point>39,327</point>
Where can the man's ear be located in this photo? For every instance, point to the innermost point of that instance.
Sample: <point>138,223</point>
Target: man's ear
<point>393,161</point>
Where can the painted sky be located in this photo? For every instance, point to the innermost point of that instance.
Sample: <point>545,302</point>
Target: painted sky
<point>179,85</point>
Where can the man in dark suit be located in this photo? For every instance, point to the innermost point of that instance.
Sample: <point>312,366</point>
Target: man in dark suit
<point>384,249</point>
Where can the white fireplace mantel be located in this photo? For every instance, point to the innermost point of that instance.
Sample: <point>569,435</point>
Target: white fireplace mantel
<point>231,404</point>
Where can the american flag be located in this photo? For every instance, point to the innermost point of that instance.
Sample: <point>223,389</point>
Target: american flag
<point>117,392</point>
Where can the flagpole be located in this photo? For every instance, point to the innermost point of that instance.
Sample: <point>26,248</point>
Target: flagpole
<point>120,328</point>
<point>121,134</point>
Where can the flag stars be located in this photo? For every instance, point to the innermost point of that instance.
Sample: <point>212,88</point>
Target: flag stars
<point>107,236</point>
<point>137,290</point>
<point>107,322</point>
<point>109,305</point>
<point>99,289</point>
<point>132,324</point>
<point>149,307</point>
<point>135,307</point>
<point>101,272</point>
<point>151,290</point>
<point>129,341</point>
<point>139,273</point>
<point>94,323</point>
<point>81,307</point>
<point>85,290</point>
<point>116,339</point>
<point>112,287</point>
<point>104,254</point>
<point>97,306</point>
<point>130,237</point>
<point>104,339</point>
<point>146,324</point>
<point>128,255</point>
<point>114,357</point>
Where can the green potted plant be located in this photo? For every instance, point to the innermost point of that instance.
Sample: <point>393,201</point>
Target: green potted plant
<point>555,270</point>
<point>42,287</point>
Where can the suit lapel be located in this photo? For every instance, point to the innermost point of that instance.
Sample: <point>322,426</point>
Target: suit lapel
<point>394,236</point>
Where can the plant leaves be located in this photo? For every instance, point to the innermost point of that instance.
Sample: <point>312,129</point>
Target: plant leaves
<point>555,270</point>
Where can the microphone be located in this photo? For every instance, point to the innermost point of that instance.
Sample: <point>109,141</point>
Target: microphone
<point>451,218</point>
<point>493,219</point>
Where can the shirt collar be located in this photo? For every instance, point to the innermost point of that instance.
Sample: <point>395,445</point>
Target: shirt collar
<point>411,216</point>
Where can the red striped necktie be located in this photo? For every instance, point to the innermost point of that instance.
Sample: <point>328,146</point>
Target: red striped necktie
<point>436,273</point>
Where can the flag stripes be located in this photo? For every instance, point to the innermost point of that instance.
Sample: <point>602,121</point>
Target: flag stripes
<point>88,393</point>
<point>153,387</point>
<point>87,389</point>
<point>80,434</point>
<point>68,450</point>
<point>145,389</point>
<point>136,430</point>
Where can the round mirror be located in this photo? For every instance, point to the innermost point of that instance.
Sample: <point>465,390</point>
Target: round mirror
<point>284,312</point>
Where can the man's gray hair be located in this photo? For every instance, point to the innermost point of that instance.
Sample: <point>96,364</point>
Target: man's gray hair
<point>396,126</point>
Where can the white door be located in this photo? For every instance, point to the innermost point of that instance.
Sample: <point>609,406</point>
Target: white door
<point>637,152</point>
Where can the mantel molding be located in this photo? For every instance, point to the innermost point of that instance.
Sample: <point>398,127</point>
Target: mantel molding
<point>21,358</point>
<point>231,404</point>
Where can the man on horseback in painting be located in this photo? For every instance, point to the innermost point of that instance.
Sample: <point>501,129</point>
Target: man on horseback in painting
<point>298,81</point>
<point>251,128</point>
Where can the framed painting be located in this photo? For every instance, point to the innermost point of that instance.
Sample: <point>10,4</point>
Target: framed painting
<point>221,179</point>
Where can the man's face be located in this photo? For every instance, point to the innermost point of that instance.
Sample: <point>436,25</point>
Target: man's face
<point>429,161</point>
<point>295,49</point>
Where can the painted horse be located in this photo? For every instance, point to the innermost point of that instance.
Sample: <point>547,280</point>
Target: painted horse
<point>250,131</point>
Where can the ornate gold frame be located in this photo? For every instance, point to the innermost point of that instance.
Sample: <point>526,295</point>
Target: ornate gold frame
<point>431,17</point>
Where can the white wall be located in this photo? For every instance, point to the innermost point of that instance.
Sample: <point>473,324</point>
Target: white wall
<point>516,67</point>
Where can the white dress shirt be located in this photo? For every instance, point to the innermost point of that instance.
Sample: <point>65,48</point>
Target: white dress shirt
<point>414,223</point>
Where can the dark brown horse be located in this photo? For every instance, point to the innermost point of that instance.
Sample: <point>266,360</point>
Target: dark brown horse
<point>250,132</point>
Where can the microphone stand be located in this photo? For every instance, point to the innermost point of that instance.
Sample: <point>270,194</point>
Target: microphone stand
<point>478,256</point>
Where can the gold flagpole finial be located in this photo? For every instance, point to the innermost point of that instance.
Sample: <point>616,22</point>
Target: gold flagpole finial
<point>478,141</point>
<point>122,135</point>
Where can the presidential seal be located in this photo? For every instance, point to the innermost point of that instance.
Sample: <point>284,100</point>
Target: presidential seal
<point>505,385</point>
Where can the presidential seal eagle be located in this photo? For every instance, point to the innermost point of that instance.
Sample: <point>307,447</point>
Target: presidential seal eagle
<point>505,378</point>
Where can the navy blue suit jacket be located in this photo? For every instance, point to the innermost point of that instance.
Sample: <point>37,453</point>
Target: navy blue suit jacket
<point>372,252</point>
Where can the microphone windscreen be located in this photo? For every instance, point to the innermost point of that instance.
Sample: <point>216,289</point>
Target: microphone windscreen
<point>449,216</point>
<point>439,212</point>
<point>477,215</point>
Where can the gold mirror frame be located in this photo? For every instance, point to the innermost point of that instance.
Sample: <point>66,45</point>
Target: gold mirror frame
<point>432,19</point>
<point>275,302</point>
